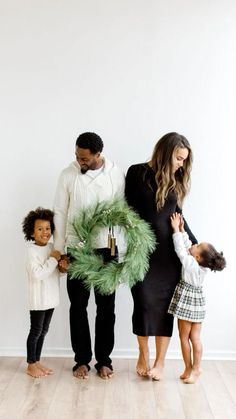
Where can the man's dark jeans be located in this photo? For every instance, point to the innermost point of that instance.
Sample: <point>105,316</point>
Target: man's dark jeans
<point>104,323</point>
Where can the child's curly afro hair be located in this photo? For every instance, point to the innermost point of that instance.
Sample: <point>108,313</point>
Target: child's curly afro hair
<point>29,221</point>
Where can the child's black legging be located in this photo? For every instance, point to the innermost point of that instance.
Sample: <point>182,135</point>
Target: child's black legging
<point>39,325</point>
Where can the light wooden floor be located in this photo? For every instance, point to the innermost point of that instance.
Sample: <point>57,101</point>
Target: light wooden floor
<point>126,396</point>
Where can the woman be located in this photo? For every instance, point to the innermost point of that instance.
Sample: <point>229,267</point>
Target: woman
<point>156,190</point>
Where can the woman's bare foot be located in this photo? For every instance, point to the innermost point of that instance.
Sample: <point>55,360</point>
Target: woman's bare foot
<point>105,373</point>
<point>193,376</point>
<point>186,374</point>
<point>48,371</point>
<point>81,372</point>
<point>142,366</point>
<point>156,371</point>
<point>34,371</point>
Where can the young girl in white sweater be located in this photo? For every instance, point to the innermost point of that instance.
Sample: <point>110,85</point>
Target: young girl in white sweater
<point>43,284</point>
<point>188,301</point>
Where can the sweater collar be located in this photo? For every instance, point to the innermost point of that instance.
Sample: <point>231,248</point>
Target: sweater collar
<point>107,165</point>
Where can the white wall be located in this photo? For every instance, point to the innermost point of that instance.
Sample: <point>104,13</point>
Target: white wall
<point>130,70</point>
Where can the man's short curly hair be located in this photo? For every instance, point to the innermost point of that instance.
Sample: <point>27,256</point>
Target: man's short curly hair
<point>90,141</point>
<point>29,221</point>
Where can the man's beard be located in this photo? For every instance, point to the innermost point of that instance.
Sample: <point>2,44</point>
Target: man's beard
<point>84,170</point>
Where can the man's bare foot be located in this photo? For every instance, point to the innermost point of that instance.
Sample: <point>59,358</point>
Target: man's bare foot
<point>142,366</point>
<point>156,372</point>
<point>34,371</point>
<point>48,371</point>
<point>193,377</point>
<point>186,373</point>
<point>105,373</point>
<point>81,372</point>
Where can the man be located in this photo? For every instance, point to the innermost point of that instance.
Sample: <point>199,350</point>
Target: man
<point>88,180</point>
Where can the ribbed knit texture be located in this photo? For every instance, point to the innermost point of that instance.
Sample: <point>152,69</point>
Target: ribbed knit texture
<point>43,277</point>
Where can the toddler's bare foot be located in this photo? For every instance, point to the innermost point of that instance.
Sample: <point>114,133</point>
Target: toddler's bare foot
<point>105,373</point>
<point>193,377</point>
<point>156,371</point>
<point>35,371</point>
<point>185,374</point>
<point>48,371</point>
<point>81,372</point>
<point>142,366</point>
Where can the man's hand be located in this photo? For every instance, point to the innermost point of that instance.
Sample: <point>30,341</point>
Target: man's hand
<point>63,263</point>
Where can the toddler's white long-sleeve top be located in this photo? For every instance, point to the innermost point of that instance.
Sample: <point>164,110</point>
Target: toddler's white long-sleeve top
<point>43,277</point>
<point>192,272</point>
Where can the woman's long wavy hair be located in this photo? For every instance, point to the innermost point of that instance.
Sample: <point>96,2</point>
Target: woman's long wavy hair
<point>162,163</point>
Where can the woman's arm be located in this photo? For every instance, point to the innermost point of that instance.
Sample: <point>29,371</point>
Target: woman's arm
<point>186,227</point>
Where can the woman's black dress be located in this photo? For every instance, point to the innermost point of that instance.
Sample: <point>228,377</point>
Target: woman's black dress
<point>152,296</point>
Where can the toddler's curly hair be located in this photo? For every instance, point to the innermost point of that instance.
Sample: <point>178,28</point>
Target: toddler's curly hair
<point>212,259</point>
<point>29,221</point>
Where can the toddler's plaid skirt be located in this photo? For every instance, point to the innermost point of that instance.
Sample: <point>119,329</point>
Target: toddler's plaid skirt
<point>188,303</point>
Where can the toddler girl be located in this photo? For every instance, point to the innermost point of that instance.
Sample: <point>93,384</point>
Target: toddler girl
<point>188,302</point>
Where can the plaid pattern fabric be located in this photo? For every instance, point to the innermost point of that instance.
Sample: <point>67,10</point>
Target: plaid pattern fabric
<point>188,303</point>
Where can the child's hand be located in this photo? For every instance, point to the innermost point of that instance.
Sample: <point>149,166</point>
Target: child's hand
<point>55,254</point>
<point>181,224</point>
<point>175,222</point>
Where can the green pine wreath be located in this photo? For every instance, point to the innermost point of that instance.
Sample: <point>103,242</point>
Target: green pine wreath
<point>89,266</point>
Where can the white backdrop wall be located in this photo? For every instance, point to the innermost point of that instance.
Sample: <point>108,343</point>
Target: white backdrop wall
<point>130,70</point>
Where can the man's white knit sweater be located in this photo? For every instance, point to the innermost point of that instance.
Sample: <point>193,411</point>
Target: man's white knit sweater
<point>43,277</point>
<point>76,192</point>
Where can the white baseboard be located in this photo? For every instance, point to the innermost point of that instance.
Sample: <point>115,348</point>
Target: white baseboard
<point>176,354</point>
<point>119,353</point>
